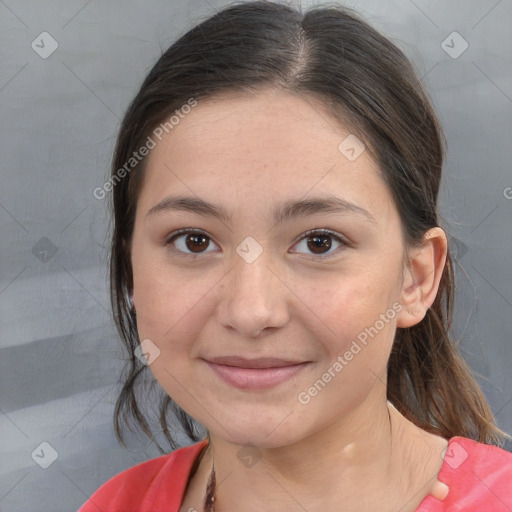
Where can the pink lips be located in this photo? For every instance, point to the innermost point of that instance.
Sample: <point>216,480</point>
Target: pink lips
<point>258,373</point>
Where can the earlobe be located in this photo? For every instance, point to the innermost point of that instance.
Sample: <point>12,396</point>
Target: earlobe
<point>422,277</point>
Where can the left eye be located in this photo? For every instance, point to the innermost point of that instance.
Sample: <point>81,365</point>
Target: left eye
<point>320,241</point>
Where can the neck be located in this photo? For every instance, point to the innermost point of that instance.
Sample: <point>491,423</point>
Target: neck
<point>355,464</point>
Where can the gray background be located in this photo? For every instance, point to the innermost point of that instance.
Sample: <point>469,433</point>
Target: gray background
<point>59,355</point>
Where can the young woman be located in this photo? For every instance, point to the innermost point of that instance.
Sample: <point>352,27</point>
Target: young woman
<point>278,266</point>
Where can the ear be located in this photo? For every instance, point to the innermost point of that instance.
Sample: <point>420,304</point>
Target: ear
<point>422,277</point>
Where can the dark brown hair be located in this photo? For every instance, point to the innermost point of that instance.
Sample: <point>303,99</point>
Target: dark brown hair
<point>327,53</point>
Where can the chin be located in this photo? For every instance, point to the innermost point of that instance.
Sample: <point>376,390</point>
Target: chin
<point>263,433</point>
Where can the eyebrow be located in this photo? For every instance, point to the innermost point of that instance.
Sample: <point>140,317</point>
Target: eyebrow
<point>288,211</point>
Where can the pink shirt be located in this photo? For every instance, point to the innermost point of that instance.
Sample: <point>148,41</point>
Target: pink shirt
<point>479,477</point>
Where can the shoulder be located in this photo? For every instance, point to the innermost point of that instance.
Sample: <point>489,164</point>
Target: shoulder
<point>479,477</point>
<point>154,485</point>
<point>468,456</point>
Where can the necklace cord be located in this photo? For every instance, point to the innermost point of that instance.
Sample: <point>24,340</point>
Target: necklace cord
<point>209,500</point>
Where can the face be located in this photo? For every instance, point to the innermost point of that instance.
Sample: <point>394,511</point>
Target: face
<point>315,286</point>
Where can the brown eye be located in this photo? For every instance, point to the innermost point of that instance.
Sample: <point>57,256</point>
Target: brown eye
<point>189,242</point>
<point>196,243</point>
<point>319,242</point>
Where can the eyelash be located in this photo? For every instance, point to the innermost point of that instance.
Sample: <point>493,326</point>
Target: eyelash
<point>318,231</point>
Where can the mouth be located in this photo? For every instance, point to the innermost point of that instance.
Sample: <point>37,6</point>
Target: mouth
<point>259,363</point>
<point>253,374</point>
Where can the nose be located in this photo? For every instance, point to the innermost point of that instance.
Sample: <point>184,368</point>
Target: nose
<point>254,298</point>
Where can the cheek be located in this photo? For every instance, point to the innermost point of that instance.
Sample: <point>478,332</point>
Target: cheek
<point>345,307</point>
<point>358,325</point>
<point>172,304</point>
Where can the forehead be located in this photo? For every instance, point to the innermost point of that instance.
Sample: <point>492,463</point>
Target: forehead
<point>253,123</point>
<point>270,143</point>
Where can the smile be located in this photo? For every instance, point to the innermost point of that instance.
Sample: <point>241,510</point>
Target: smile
<point>256,378</point>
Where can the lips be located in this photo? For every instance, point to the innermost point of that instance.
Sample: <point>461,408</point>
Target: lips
<point>261,362</point>
<point>255,374</point>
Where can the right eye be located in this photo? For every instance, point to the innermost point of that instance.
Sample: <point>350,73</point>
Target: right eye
<point>184,240</point>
